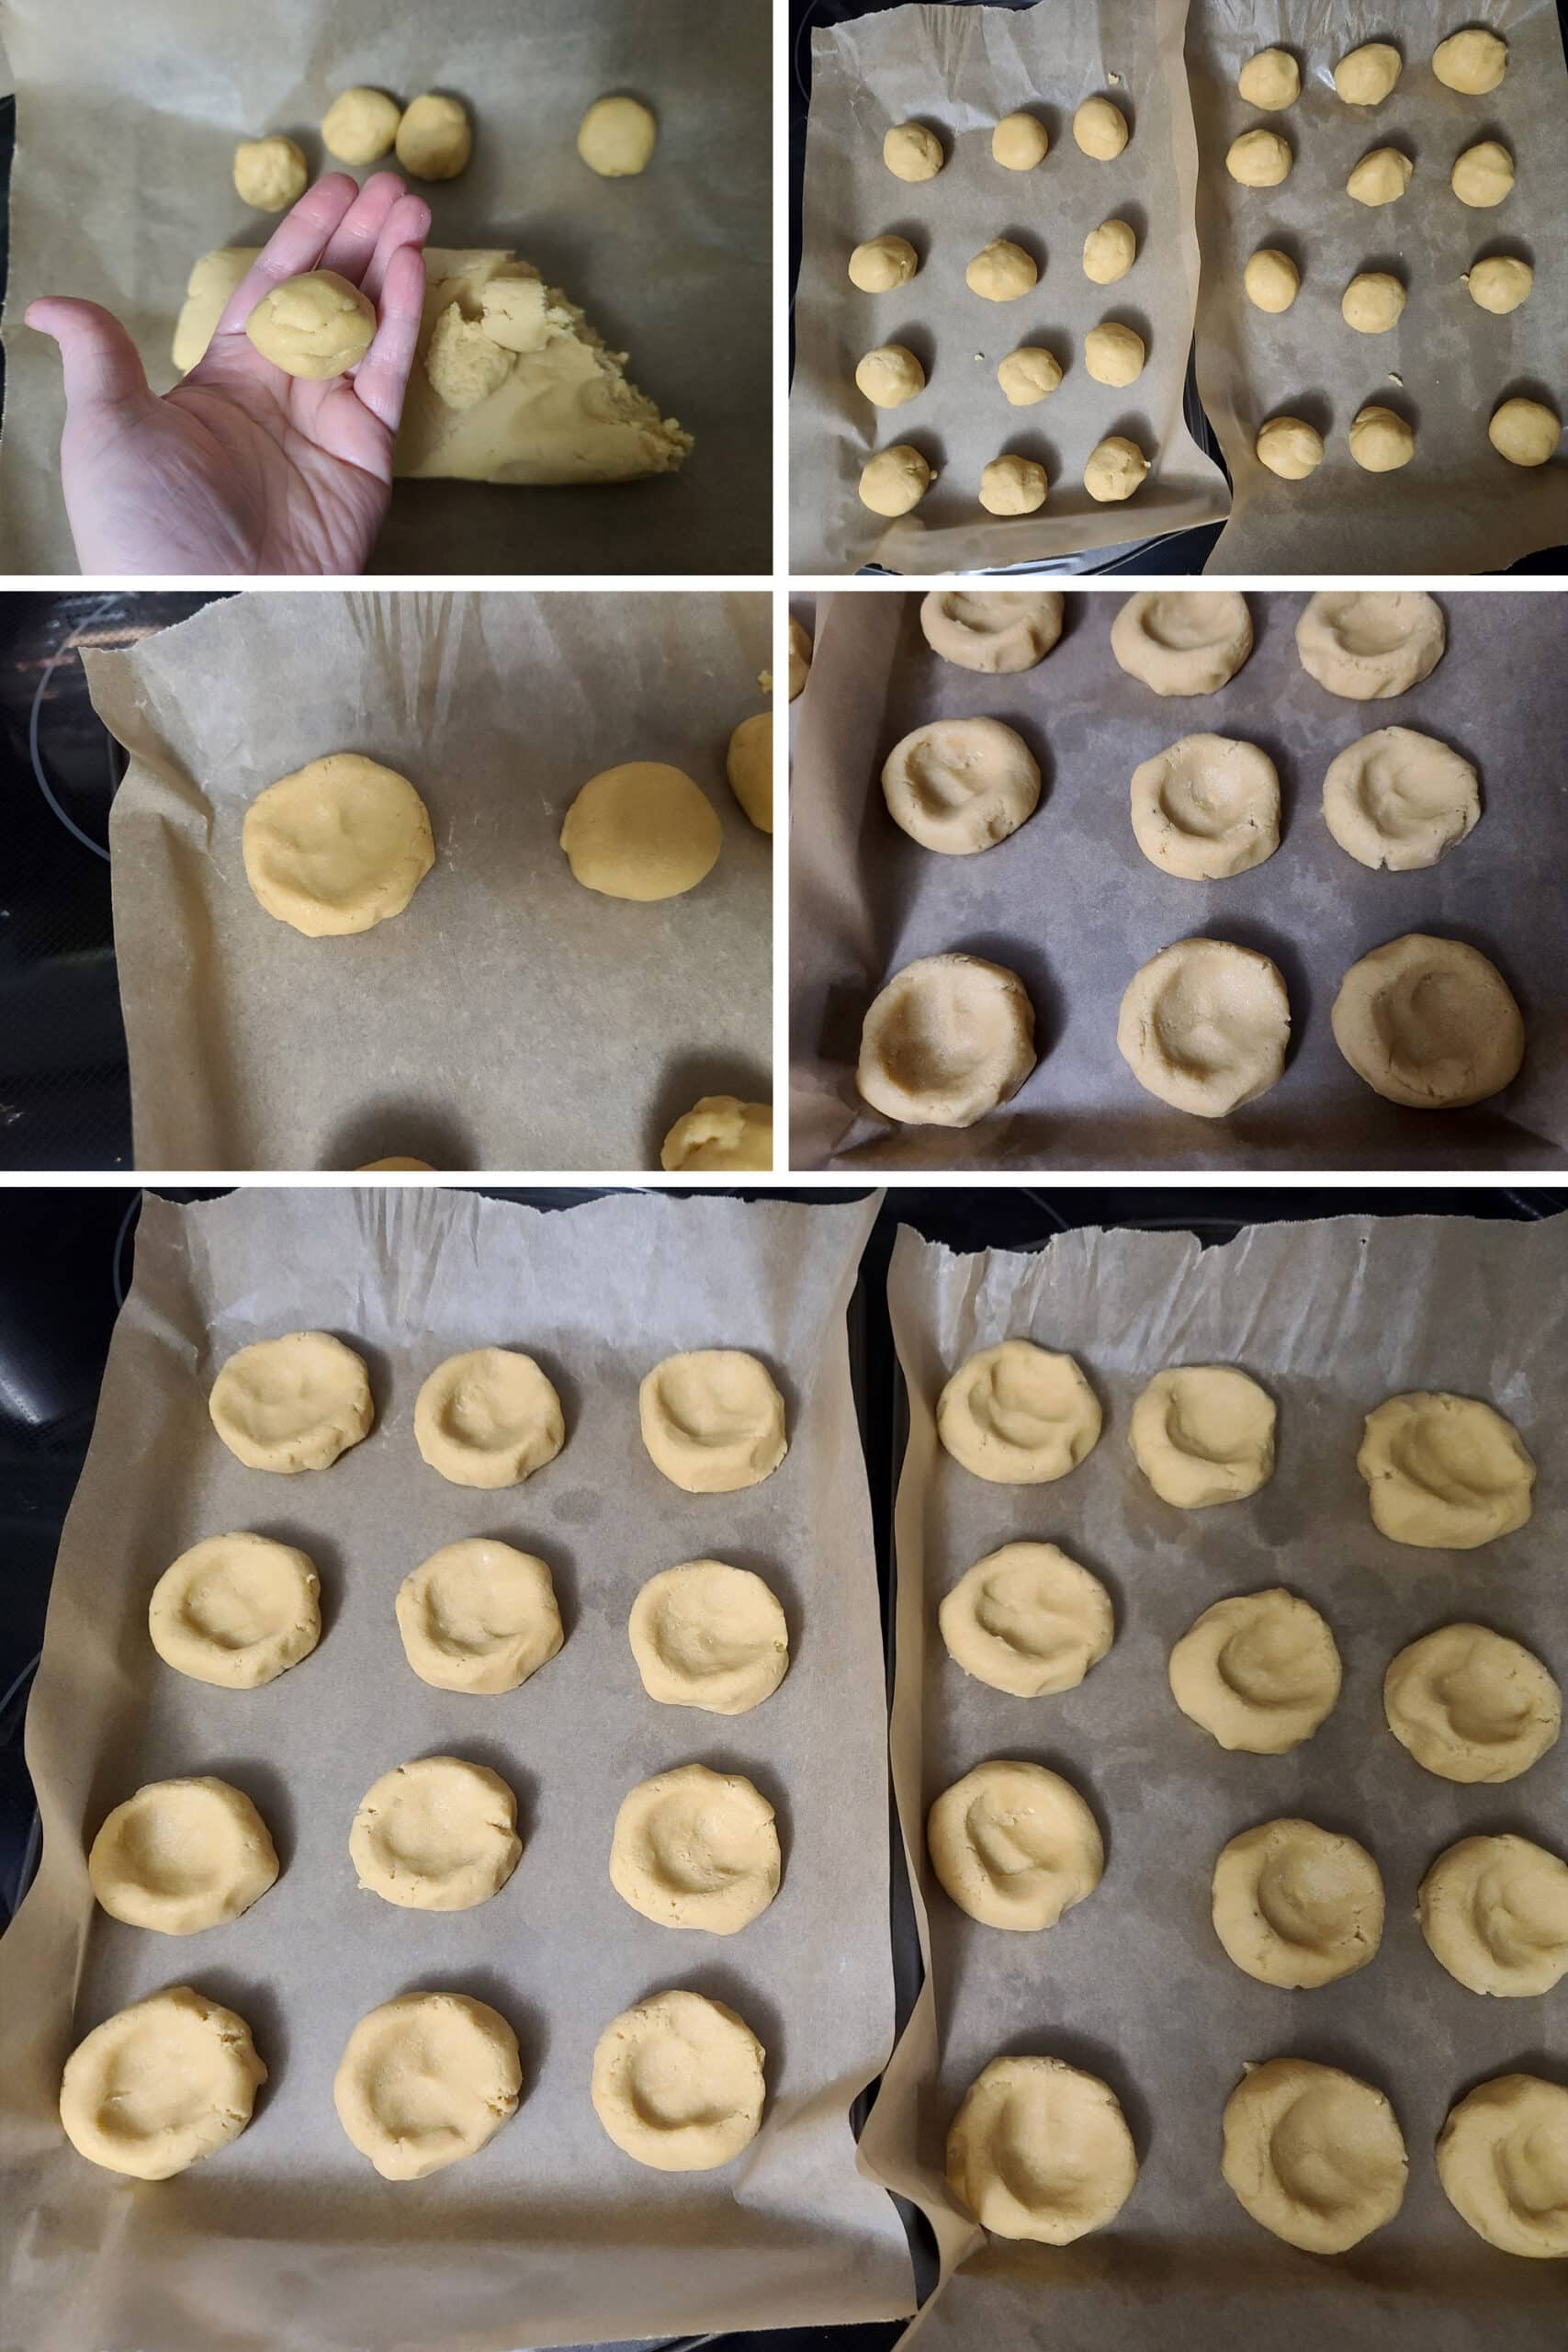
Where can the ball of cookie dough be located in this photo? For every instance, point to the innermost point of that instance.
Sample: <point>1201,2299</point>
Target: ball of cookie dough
<point>895,480</point>
<point>1290,447</point>
<point>912,152</point>
<point>1116,468</point>
<point>479,1615</point>
<point>1271,80</point>
<point>489,1418</point>
<point>1381,177</point>
<point>1315,2156</point>
<point>1001,271</point>
<point>1099,127</point>
<point>1297,1906</point>
<point>882,263</point>
<point>314,326</point>
<point>1029,374</point>
<point>960,785</point>
<point>1039,2151</point>
<point>161,2084</point>
<point>1430,1022</point>
<point>435,1834</point>
<point>948,1040</point>
<point>182,1856</point>
<point>1444,1473</point>
<point>1203,1434</point>
<point>1014,1846</point>
<point>1373,302</point>
<point>1483,175</point>
<point>1400,800</point>
<point>426,2080</point>
<point>1206,808</point>
<point>1109,252</point>
<point>337,847</point>
<point>1260,159</point>
<point>890,375</point>
<point>720,1132</point>
<point>1027,1620</point>
<point>713,1420</point>
<point>642,831</point>
<point>1018,1414</point>
<point>1369,644</point>
<point>708,1636</point>
<point>1502,2161</point>
<point>1471,1706</point>
<point>996,633</point>
<point>1203,1026</point>
<point>1381,440</point>
<point>1499,284</point>
<point>1018,142</point>
<point>1183,642</point>
<point>1525,431</point>
<point>1473,63</point>
<point>1113,354</point>
<point>270,174</point>
<point>1013,485</point>
<point>749,765</point>
<point>434,139</point>
<point>616,138</point>
<point>237,1610</point>
<point>695,1849</point>
<point>800,657</point>
<point>1366,75</point>
<point>1271,279</point>
<point>361,126</point>
<point>1259,1672</point>
<point>292,1404</point>
<point>706,2066</point>
<point>1495,1914</point>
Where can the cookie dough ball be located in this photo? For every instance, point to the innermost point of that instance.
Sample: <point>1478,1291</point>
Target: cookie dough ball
<point>161,2084</point>
<point>641,830</point>
<point>712,1420</point>
<point>489,1418</point>
<point>799,658</point>
<point>1204,1026</point>
<point>1113,354</point>
<point>1471,62</point>
<point>338,846</point>
<point>1100,129</point>
<point>237,1610</point>
<point>1013,485</point>
<point>895,480</point>
<point>1259,1671</point>
<point>1495,1914</point>
<point>434,139</point>
<point>1429,1023</point>
<point>1038,2150</point>
<point>720,1132</point>
<point>1260,159</point>
<point>1018,142</point>
<point>1019,1415</point>
<point>360,126</point>
<point>1029,374</point>
<point>1290,447</point>
<point>1001,271</point>
<point>1503,2161</point>
<point>1499,284</point>
<point>1271,80</point>
<point>479,1616</point>
<point>1525,431</point>
<point>695,1849</point>
<point>996,633</point>
<point>1203,1434</point>
<point>709,1635</point>
<point>1367,644</point>
<point>314,326</point>
<point>678,2083</point>
<point>1483,175</point>
<point>1183,642</point>
<point>882,263</point>
<point>1367,76</point>
<point>1207,807</point>
<point>1296,1907</point>
<point>292,1404</point>
<point>616,138</point>
<point>960,785</point>
<point>426,2080</point>
<point>1271,279</point>
<point>435,1834</point>
<point>890,375</point>
<point>1315,2156</point>
<point>1116,468</point>
<point>1381,177</point>
<point>1471,1706</point>
<point>1014,1846</point>
<point>182,1856</point>
<point>1444,1472</point>
<point>948,1040</point>
<point>912,152</point>
<point>1027,1620</point>
<point>1400,800</point>
<point>1109,252</point>
<point>749,765</point>
<point>1372,302</point>
<point>270,174</point>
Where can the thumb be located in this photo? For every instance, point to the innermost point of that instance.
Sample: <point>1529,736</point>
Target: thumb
<point>102,367</point>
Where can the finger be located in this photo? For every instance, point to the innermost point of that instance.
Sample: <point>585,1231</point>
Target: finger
<point>407,223</point>
<point>101,364</point>
<point>383,373</point>
<point>297,245</point>
<point>354,240</point>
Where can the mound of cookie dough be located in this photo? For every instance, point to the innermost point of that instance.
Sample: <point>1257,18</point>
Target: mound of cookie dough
<point>1203,1026</point>
<point>1314,2154</point>
<point>890,375</point>
<point>1259,1671</point>
<point>1400,800</point>
<point>1483,175</point>
<point>1444,1473</point>
<point>1469,1705</point>
<point>1271,80</point>
<point>1109,252</point>
<point>161,2084</point>
<point>616,137</point>
<point>1028,375</point>
<point>1271,279</point>
<point>270,174</point>
<point>1115,468</point>
<point>895,480</point>
<point>1295,1905</point>
<point>1367,644</point>
<point>881,264</point>
<point>338,846</point>
<point>1019,1415</point>
<point>995,634</point>
<point>237,1610</point>
<point>1430,1022</point>
<point>713,1420</point>
<point>490,1417</point>
<point>1381,440</point>
<point>1373,302</point>
<point>1525,431</point>
<point>1182,641</point>
<point>1013,485</point>
<point>1038,2150</point>
<point>479,1615</point>
<point>1473,63</point>
<point>435,1834</point>
<point>1290,447</point>
<point>1503,2161</point>
<point>1203,1434</point>
<point>678,2083</point>
<point>947,1040</point>
<point>748,765</point>
<point>912,152</point>
<point>1495,1914</point>
<point>316,326</point>
<point>961,785</point>
<point>1099,130</point>
<point>1499,284</point>
<point>641,830</point>
<point>433,141</point>
<point>720,1132</point>
<point>1001,271</point>
<point>1027,1620</point>
<point>1018,142</point>
<point>182,1856</point>
<point>426,2080</point>
<point>1014,1846</point>
<point>1366,75</point>
<point>361,125</point>
<point>1260,159</point>
<point>1206,808</point>
<point>1113,354</point>
<point>704,1635</point>
<point>695,1849</point>
<point>1381,177</point>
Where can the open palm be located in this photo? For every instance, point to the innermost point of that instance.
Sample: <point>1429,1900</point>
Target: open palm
<point>243,470</point>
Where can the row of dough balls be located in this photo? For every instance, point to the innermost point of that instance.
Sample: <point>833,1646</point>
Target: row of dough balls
<point>913,153</point>
<point>1473,63</point>
<point>426,2080</point>
<point>718,1133</point>
<point>1523,431</point>
<point>895,480</point>
<point>1482,176</point>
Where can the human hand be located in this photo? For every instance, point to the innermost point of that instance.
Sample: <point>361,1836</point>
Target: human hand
<point>241,469</point>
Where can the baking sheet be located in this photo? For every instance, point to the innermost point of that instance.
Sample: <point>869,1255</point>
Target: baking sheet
<point>1332,1318</point>
<point>961,69</point>
<point>126,127</point>
<point>1070,903</point>
<point>510,1018</point>
<point>550,2235</point>
<point>1457,506</point>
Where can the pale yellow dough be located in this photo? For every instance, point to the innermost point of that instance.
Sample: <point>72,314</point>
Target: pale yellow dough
<point>895,480</point>
<point>1473,63</point>
<point>1013,485</point>
<point>1115,468</point>
<point>1018,1414</point>
<point>1203,1026</point>
<point>1372,302</point>
<point>961,785</point>
<point>1428,1022</point>
<point>182,1856</point>
<point>1525,431</point>
<point>695,1849</point>
<point>1499,284</point>
<point>1495,1914</point>
<point>1503,2161</point>
<point>1367,644</point>
<point>237,1610</point>
<point>800,657</point>
<point>435,1834</point>
<point>995,634</point>
<point>749,765</point>
<point>1001,271</point>
<point>1100,129</point>
<point>361,125</point>
<point>380,1167</point>
<point>616,138</point>
<point>946,1041</point>
<point>1271,279</point>
<point>314,326</point>
<point>708,1636</point>
<point>1471,1706</point>
<point>270,174</point>
<point>1446,1473</point>
<point>1014,1846</point>
<point>912,152</point>
<point>1109,252</point>
<point>1029,375</point>
<point>1181,641</point>
<point>1290,447</point>
<point>426,2080</point>
<point>883,263</point>
<point>713,1420</point>
<point>489,1419</point>
<point>1039,2151</point>
<point>1272,80</point>
<point>1297,1906</point>
<point>1381,177</point>
<point>1260,159</point>
<point>434,139</point>
<point>1203,1434</point>
<point>161,2084</point>
<point>1400,800</point>
<point>1366,75</point>
<point>1113,354</point>
<point>890,375</point>
<point>1020,142</point>
<point>1027,1620</point>
<point>479,1616</point>
<point>1259,1672</point>
<point>1314,2154</point>
<point>642,831</point>
<point>338,846</point>
<point>720,1132</point>
<point>292,1404</point>
<point>1206,808</point>
<point>678,2083</point>
<point>1381,441</point>
<point>1483,175</point>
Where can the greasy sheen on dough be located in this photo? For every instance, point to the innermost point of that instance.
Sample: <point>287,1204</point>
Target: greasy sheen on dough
<point>237,1610</point>
<point>1183,642</point>
<point>1296,1905</point>
<point>479,1615</point>
<point>1027,1620</point>
<point>947,1040</point>
<point>1203,1434</point>
<point>1259,1671</point>
<point>642,831</point>
<point>1206,808</point>
<point>315,326</point>
<point>695,1849</point>
<point>1444,1472</point>
<point>437,1835</point>
<point>1314,2154</point>
<point>161,2084</point>
<point>1471,1706</point>
<point>1400,800</point>
<point>713,1420</point>
<point>292,1404</point>
<point>489,1418</point>
<point>1430,1022</point>
<point>1038,2150</point>
<point>181,1855</point>
<point>1502,2161</point>
<point>678,2081</point>
<point>1367,644</point>
<point>1014,1846</point>
<point>1203,1026</point>
<point>960,785</point>
<point>1019,1415</point>
<point>337,847</point>
<point>426,2080</point>
<point>709,1635</point>
<point>720,1132</point>
<point>1495,1914</point>
<point>995,634</point>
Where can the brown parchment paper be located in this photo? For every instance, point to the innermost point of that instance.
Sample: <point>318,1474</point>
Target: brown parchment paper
<point>961,69</point>
<point>1133,1983</point>
<point>550,2236</point>
<point>127,121</point>
<point>1457,506</point>
<point>1071,904</point>
<point>508,1017</point>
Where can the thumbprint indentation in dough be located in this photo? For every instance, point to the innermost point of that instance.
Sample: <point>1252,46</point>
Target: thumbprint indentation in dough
<point>713,1420</point>
<point>1400,800</point>
<point>696,1849</point>
<point>1207,807</point>
<point>292,1404</point>
<point>426,2080</point>
<point>237,1610</point>
<point>1369,644</point>
<point>1471,1705</point>
<point>1314,2154</point>
<point>1502,2161</point>
<point>678,2081</point>
<point>1203,1434</point>
<point>1182,641</point>
<point>181,1855</point>
<point>1027,1620</point>
<point>1014,1846</point>
<point>1203,1026</point>
<point>437,1835</point>
<point>1040,2151</point>
<point>961,785</point>
<point>1296,1905</point>
<point>161,2084</point>
<point>1495,1913</point>
<point>704,1635</point>
<point>479,1616</point>
<point>488,1419</point>
<point>1444,1472</point>
<point>1019,1415</point>
<point>1259,1671</point>
<point>949,1039</point>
